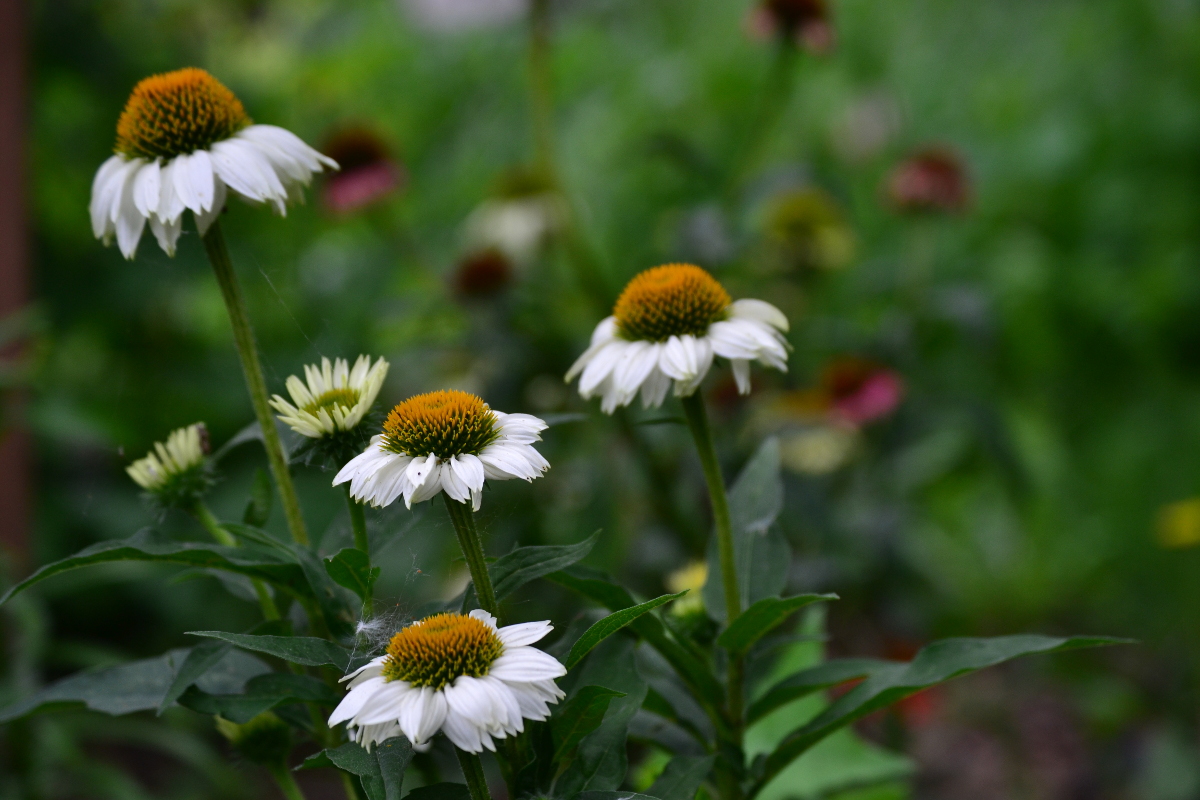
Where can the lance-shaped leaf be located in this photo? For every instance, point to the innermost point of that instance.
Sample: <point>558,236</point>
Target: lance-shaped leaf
<point>613,623</point>
<point>578,717</point>
<point>599,587</point>
<point>306,650</point>
<point>525,564</point>
<point>136,685</point>
<point>934,664</point>
<point>823,676</point>
<point>381,771</point>
<point>682,777</point>
<point>609,795</point>
<point>149,545</point>
<point>352,569</point>
<point>261,694</point>
<point>762,617</point>
<point>200,660</point>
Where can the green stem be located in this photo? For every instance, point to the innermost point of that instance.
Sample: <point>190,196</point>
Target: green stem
<point>771,104</point>
<point>697,418</point>
<point>287,784</point>
<point>350,785</point>
<point>210,523</point>
<point>358,524</point>
<point>243,337</point>
<point>468,539</point>
<point>472,769</point>
<point>541,93</point>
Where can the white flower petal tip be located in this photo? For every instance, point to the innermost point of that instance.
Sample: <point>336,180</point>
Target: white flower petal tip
<point>165,470</point>
<point>333,397</point>
<point>455,674</point>
<point>184,141</point>
<point>666,328</point>
<point>470,444</point>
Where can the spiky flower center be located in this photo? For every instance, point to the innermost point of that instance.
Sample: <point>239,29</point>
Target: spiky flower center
<point>438,649</point>
<point>671,300</point>
<point>177,113</point>
<point>444,424</point>
<point>343,397</point>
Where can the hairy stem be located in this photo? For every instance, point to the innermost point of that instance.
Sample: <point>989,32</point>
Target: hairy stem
<point>243,337</point>
<point>287,784</point>
<point>468,539</point>
<point>472,769</point>
<point>222,536</point>
<point>697,419</point>
<point>358,523</point>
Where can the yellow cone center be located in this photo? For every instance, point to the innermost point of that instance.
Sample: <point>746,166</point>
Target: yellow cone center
<point>670,300</point>
<point>177,113</point>
<point>438,649</point>
<point>445,424</point>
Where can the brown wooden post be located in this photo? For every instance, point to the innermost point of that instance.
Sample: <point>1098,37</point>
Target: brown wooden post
<point>15,450</point>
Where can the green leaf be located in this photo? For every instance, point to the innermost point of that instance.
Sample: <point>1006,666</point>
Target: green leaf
<point>823,676</point>
<point>613,623</point>
<point>258,510</point>
<point>149,545</point>
<point>381,772</point>
<point>524,564</point>
<point>306,650</point>
<point>578,717</point>
<point>261,694</point>
<point>761,553</point>
<point>200,660</point>
<point>934,664</point>
<point>601,760</point>
<point>440,791</point>
<point>352,569</point>
<point>134,686</point>
<point>762,617</point>
<point>610,795</point>
<point>682,777</point>
<point>599,587</point>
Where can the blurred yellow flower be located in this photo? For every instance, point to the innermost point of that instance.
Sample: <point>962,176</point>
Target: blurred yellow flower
<point>690,578</point>
<point>808,230</point>
<point>1179,524</point>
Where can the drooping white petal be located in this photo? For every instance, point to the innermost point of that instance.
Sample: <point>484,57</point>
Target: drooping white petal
<point>105,185</point>
<point>146,187</point>
<point>524,633</point>
<point>759,310</point>
<point>526,664</point>
<point>204,220</point>
<point>166,233</point>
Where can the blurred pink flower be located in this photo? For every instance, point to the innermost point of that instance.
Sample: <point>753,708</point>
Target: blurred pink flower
<point>860,392</point>
<point>368,175</point>
<point>805,21</point>
<point>934,179</point>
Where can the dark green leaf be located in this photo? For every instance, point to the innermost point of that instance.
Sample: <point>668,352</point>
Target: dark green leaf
<point>261,694</point>
<point>613,623</point>
<point>200,660</point>
<point>514,570</point>
<point>610,795</point>
<point>682,777</point>
<point>934,664</point>
<point>258,510</point>
<point>352,569</point>
<point>332,600</point>
<point>761,553</point>
<point>393,757</point>
<point>805,682</point>
<point>135,686</point>
<point>599,587</point>
<point>762,617</point>
<point>381,772</point>
<point>148,545</point>
<point>578,717</point>
<point>306,650</point>
<point>440,791</point>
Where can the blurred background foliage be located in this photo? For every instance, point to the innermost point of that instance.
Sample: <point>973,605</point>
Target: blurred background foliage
<point>980,217</point>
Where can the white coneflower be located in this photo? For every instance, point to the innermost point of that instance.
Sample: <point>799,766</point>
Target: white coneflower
<point>175,470</point>
<point>454,673</point>
<point>336,397</point>
<point>447,441</point>
<point>666,326</point>
<point>183,141</point>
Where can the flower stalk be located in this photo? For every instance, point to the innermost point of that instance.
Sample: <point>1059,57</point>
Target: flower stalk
<point>243,336</point>
<point>468,540</point>
<point>287,784</point>
<point>472,769</point>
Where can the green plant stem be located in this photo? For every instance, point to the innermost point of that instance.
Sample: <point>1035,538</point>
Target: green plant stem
<point>541,91</point>
<point>697,418</point>
<point>210,523</point>
<point>472,769</point>
<point>243,337</point>
<point>468,539</point>
<point>358,524</point>
<point>350,785</point>
<point>771,104</point>
<point>287,784</point>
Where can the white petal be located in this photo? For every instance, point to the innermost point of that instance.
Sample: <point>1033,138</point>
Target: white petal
<point>605,332</point>
<point>526,664</point>
<point>484,617</point>
<point>170,205</point>
<point>129,222</point>
<point>759,310</point>
<point>355,699</point>
<point>167,234</point>
<point>145,188</point>
<point>524,633</point>
<point>205,220</point>
<point>105,185</point>
<point>468,469</point>
<point>741,374</point>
